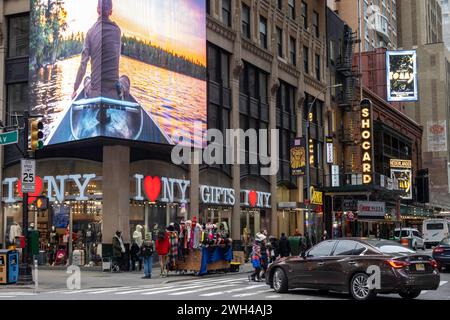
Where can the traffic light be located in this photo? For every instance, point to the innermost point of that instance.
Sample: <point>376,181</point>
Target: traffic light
<point>41,203</point>
<point>37,135</point>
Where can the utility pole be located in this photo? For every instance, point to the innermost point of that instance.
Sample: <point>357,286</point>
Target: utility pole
<point>25,274</point>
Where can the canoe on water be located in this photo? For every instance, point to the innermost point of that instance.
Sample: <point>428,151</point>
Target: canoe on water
<point>105,117</point>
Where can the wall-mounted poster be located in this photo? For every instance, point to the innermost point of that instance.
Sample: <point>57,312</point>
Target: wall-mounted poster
<point>298,157</point>
<point>125,69</point>
<point>437,136</point>
<point>402,180</point>
<point>401,75</point>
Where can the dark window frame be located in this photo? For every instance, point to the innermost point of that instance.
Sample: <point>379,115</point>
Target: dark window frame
<point>263,35</point>
<point>227,11</point>
<point>246,25</point>
<point>279,32</point>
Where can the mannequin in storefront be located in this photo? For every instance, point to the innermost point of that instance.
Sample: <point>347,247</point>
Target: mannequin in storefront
<point>53,242</point>
<point>14,231</point>
<point>89,241</point>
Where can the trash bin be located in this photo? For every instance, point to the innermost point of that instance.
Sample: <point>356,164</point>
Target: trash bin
<point>78,258</point>
<point>9,266</point>
<point>106,264</point>
<point>42,258</point>
<point>294,243</point>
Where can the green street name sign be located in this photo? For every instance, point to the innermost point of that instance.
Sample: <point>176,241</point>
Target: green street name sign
<point>9,138</point>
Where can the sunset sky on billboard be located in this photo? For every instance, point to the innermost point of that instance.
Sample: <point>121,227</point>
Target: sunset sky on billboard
<point>160,21</point>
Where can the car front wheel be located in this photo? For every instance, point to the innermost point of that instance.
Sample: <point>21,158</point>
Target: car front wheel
<point>279,281</point>
<point>359,287</point>
<point>410,294</point>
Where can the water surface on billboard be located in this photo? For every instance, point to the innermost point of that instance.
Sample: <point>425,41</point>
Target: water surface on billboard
<point>160,81</point>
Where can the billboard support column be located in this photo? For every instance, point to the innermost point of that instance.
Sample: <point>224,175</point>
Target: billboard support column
<point>194,189</point>
<point>116,192</point>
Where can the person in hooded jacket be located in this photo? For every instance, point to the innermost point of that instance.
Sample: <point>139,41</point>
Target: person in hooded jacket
<point>273,250</point>
<point>284,247</point>
<point>147,256</point>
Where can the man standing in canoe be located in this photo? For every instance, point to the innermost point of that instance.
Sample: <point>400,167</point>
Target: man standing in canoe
<point>102,47</point>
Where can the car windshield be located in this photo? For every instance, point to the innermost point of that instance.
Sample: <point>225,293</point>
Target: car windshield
<point>390,247</point>
<point>405,233</point>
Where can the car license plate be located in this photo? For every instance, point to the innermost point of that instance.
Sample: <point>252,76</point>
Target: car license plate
<point>420,267</point>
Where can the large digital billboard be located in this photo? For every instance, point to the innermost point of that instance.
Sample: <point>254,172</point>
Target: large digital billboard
<point>127,69</point>
<point>401,76</point>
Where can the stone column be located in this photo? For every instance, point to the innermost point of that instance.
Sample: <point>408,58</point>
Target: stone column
<point>194,193</point>
<point>116,192</point>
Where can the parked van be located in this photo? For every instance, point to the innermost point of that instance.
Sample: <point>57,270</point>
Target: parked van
<point>410,234</point>
<point>435,230</point>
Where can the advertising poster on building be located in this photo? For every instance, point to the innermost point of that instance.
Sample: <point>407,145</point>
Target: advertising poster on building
<point>126,69</point>
<point>401,75</point>
<point>298,157</point>
<point>402,180</point>
<point>437,136</point>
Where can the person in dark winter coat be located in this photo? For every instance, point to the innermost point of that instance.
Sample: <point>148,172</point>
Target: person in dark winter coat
<point>284,246</point>
<point>274,250</point>
<point>118,249</point>
<point>135,256</point>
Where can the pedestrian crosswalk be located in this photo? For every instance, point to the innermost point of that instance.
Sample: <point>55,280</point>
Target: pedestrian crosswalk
<point>221,288</point>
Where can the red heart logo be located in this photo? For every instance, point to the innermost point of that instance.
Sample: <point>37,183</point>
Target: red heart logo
<point>252,197</point>
<point>152,188</point>
<point>38,190</point>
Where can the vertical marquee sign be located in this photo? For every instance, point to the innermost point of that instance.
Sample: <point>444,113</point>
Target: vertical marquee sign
<point>366,141</point>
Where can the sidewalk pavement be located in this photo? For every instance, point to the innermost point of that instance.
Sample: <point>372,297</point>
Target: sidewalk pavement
<point>55,278</point>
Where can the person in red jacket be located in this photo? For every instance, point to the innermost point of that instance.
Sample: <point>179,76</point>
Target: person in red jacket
<point>162,248</point>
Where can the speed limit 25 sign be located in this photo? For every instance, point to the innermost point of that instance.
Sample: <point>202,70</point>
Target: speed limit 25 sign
<point>28,176</point>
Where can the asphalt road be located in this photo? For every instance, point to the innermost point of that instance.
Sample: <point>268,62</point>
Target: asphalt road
<point>225,287</point>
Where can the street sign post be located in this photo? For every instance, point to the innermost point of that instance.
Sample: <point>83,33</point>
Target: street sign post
<point>9,138</point>
<point>28,175</point>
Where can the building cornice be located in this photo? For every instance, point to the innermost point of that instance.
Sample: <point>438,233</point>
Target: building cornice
<point>220,29</point>
<point>256,50</point>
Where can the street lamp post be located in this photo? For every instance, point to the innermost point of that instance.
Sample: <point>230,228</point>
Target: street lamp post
<point>308,124</point>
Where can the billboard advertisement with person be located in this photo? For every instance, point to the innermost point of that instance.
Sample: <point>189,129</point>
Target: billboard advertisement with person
<point>126,69</point>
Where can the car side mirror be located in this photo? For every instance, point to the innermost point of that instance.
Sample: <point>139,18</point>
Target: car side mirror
<point>303,254</point>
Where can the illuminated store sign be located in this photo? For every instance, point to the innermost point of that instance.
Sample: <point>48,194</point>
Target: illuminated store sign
<point>162,189</point>
<point>366,140</point>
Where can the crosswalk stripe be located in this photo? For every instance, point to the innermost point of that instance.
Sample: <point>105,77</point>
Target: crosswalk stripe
<point>442,283</point>
<point>83,290</point>
<point>219,280</point>
<point>170,290</point>
<point>7,296</point>
<point>108,290</point>
<point>231,291</point>
<point>18,293</point>
<point>199,290</point>
<point>144,290</point>
<point>273,297</point>
<point>251,293</point>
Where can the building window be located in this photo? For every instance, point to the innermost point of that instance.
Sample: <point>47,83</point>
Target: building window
<point>316,24</point>
<point>18,36</point>
<point>208,6</point>
<point>291,4</point>
<point>246,21</point>
<point>293,50</point>
<point>263,32</point>
<point>317,59</point>
<point>332,51</point>
<point>218,66</point>
<point>306,60</point>
<point>280,4</point>
<point>226,12</point>
<point>17,100</point>
<point>280,42</point>
<point>305,15</point>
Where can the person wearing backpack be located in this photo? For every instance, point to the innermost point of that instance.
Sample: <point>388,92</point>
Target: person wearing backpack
<point>162,248</point>
<point>147,256</point>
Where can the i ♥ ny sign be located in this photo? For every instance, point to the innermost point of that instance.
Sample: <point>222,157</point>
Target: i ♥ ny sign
<point>171,190</point>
